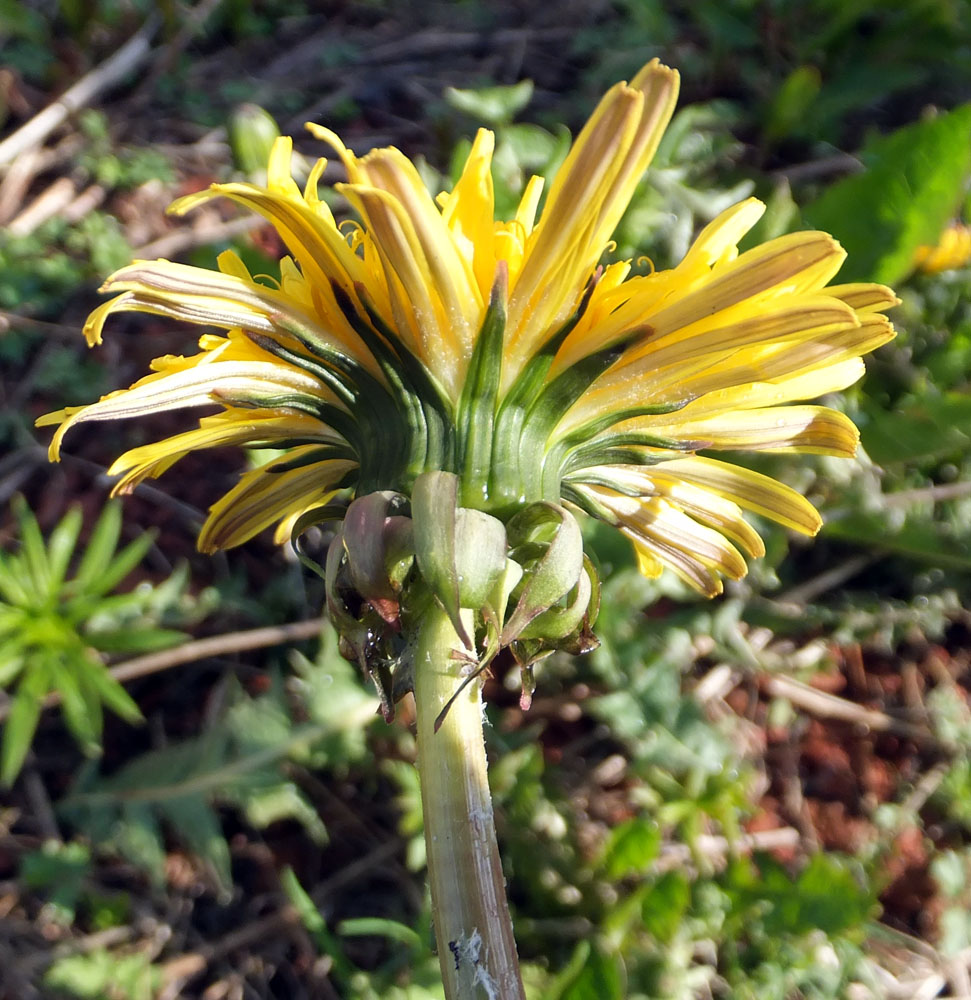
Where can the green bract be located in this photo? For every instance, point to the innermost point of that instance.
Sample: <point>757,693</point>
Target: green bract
<point>527,584</point>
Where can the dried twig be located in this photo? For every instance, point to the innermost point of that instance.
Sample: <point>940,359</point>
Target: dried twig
<point>110,72</point>
<point>935,494</point>
<point>831,706</point>
<point>715,847</point>
<point>185,239</point>
<point>823,582</point>
<point>13,188</point>
<point>50,202</point>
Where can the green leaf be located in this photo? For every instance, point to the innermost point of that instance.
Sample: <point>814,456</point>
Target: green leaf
<point>100,974</point>
<point>910,189</point>
<point>631,848</point>
<point>61,544</point>
<point>113,694</point>
<point>135,833</point>
<point>664,905</point>
<point>313,921</point>
<point>18,730</point>
<point>122,564</point>
<point>380,927</point>
<point>925,541</point>
<point>792,100</point>
<point>134,640</point>
<point>927,428</point>
<point>534,148</point>
<point>197,825</point>
<point>59,871</point>
<point>600,978</point>
<point>81,707</point>
<point>492,105</point>
<point>100,548</point>
<point>13,581</point>
<point>32,550</point>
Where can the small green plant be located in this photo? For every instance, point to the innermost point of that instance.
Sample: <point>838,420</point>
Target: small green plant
<point>243,760</point>
<point>53,627</point>
<point>101,974</point>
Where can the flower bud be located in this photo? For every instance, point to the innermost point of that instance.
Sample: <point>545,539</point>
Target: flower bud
<point>545,540</point>
<point>380,550</point>
<point>461,552</point>
<point>252,132</point>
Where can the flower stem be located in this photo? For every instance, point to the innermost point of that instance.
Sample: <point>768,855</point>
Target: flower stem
<point>473,930</point>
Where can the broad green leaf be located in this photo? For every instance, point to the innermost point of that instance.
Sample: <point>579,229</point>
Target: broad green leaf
<point>59,871</point>
<point>492,105</point>
<point>924,541</point>
<point>911,187</point>
<point>631,848</point>
<point>534,148</point>
<point>664,905</point>
<point>99,974</point>
<point>137,836</point>
<point>792,100</point>
<point>601,978</point>
<point>927,428</point>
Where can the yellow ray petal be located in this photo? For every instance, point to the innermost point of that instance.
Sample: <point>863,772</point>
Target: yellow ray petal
<point>591,191</point>
<point>266,495</point>
<point>750,490</point>
<point>200,385</point>
<point>792,264</point>
<point>390,171</point>
<point>810,429</point>
<point>236,427</point>
<point>469,212</point>
<point>205,297</point>
<point>419,312</point>
<point>717,243</point>
<point>309,233</point>
<point>710,508</point>
<point>696,553</point>
<point>865,297</point>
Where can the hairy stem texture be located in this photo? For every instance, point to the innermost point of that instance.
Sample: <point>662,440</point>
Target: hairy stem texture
<point>473,929</point>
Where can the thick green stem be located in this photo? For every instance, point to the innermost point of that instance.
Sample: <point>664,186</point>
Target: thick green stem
<point>473,929</point>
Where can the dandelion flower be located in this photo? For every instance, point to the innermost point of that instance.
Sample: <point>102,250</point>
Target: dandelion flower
<point>427,335</point>
<point>452,388</point>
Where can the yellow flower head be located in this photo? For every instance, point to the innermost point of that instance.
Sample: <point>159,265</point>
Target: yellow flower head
<point>429,336</point>
<point>952,250</point>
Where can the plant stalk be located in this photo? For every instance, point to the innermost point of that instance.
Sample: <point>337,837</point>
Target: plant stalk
<point>473,929</point>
